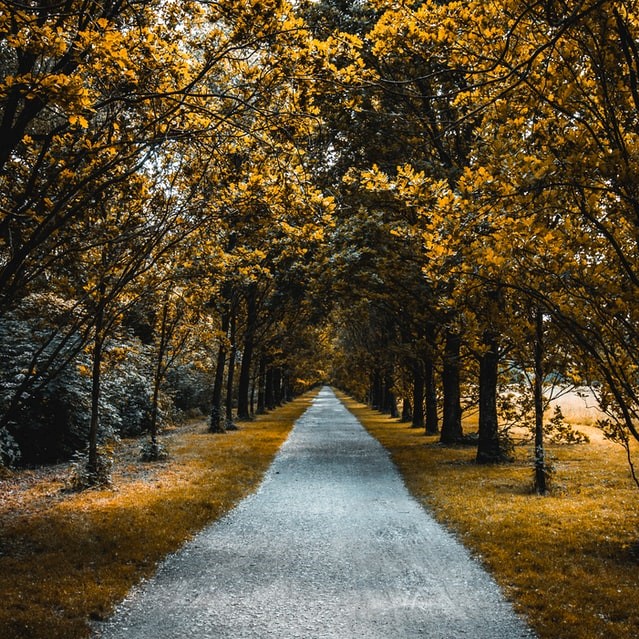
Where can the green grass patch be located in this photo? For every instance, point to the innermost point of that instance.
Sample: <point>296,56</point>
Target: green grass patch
<point>569,561</point>
<point>68,558</point>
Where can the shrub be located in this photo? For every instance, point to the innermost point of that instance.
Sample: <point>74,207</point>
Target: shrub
<point>153,451</point>
<point>189,388</point>
<point>9,449</point>
<point>53,421</point>
<point>79,476</point>
<point>516,409</point>
<point>43,395</point>
<point>125,393</point>
<point>559,431</point>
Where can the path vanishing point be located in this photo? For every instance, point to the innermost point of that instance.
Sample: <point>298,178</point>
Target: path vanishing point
<point>331,546</point>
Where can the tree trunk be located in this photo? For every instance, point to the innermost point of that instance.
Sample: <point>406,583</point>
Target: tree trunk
<point>228,415</point>
<point>389,400</point>
<point>489,449</point>
<point>269,394</point>
<point>254,377</point>
<point>287,387</point>
<point>430,387</point>
<point>96,380</point>
<point>418,395</point>
<point>261,386</point>
<point>376,390</point>
<point>407,410</point>
<point>393,411</point>
<point>277,386</point>
<point>541,470</point>
<point>215,423</point>
<point>244,385</point>
<point>159,370</point>
<point>451,423</point>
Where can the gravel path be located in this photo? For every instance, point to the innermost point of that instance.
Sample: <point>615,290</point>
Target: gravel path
<point>331,546</point>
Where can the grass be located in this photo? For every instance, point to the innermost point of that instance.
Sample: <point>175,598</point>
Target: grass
<point>569,561</point>
<point>68,558</point>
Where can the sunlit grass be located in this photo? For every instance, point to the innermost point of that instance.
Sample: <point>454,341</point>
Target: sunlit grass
<point>568,561</point>
<point>65,559</point>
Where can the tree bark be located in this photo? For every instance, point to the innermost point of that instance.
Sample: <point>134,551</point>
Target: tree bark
<point>418,395</point>
<point>277,386</point>
<point>407,410</point>
<point>430,387</point>
<point>489,448</point>
<point>244,383</point>
<point>389,404</point>
<point>254,386</point>
<point>228,413</point>
<point>541,470</point>
<point>215,422</point>
<point>261,386</point>
<point>451,423</point>
<point>159,368</point>
<point>269,393</point>
<point>376,390</point>
<point>287,387</point>
<point>96,381</point>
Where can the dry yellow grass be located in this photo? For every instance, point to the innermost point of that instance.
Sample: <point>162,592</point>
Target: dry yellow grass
<point>569,561</point>
<point>67,558</point>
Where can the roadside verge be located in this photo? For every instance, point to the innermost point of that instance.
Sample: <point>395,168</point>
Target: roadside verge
<point>68,558</point>
<point>568,561</point>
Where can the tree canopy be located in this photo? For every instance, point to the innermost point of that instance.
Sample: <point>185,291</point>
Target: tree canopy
<point>214,205</point>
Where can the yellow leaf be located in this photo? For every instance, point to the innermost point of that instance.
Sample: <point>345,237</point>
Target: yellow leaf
<point>75,120</point>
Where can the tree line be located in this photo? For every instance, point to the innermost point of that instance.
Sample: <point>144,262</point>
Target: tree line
<point>214,205</point>
<point>159,226</point>
<point>488,213</point>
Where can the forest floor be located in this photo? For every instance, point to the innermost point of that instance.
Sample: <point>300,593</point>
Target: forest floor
<point>67,558</point>
<point>569,560</point>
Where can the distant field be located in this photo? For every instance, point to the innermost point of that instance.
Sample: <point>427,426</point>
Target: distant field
<point>579,407</point>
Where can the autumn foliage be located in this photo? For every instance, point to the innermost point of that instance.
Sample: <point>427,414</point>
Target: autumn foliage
<point>435,204</point>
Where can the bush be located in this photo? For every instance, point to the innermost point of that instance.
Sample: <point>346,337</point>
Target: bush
<point>559,431</point>
<point>9,449</point>
<point>190,388</point>
<point>45,384</point>
<point>45,390</point>
<point>516,409</point>
<point>53,421</point>
<point>153,451</point>
<point>80,477</point>
<point>126,391</point>
<point>43,394</point>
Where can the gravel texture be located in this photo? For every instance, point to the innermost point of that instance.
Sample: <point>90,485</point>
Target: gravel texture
<point>331,546</point>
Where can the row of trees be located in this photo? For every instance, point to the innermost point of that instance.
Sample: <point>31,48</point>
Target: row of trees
<point>488,208</point>
<point>158,228</point>
<point>440,197</point>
